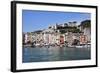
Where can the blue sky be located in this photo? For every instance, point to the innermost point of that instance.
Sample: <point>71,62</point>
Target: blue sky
<point>33,20</point>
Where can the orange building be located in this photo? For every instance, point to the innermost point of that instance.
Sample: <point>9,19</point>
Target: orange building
<point>83,39</point>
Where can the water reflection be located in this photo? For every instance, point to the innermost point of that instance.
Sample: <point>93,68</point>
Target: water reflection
<point>38,54</point>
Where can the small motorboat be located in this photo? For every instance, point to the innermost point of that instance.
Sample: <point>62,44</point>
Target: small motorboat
<point>83,46</point>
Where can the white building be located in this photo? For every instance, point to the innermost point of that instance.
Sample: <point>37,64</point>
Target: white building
<point>49,36</point>
<point>26,38</point>
<point>87,32</point>
<point>72,24</point>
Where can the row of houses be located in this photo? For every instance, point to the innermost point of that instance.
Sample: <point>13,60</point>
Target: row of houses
<point>52,35</point>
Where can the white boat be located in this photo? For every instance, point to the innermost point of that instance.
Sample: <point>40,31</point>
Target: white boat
<point>37,44</point>
<point>71,46</point>
<point>83,46</point>
<point>79,46</point>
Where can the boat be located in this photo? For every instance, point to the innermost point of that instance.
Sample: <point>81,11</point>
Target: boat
<point>79,46</point>
<point>83,46</point>
<point>37,44</point>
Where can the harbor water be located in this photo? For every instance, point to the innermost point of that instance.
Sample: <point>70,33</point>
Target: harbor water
<point>46,54</point>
